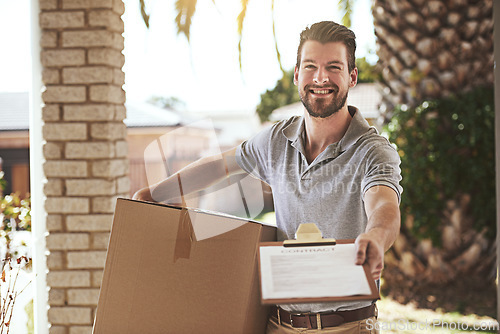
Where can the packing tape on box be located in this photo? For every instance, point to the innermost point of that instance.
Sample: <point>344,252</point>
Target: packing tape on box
<point>185,231</point>
<point>185,236</point>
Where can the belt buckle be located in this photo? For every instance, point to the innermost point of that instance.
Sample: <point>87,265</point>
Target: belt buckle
<point>291,315</point>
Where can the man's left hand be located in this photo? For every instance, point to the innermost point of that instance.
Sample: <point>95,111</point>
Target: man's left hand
<point>370,250</point>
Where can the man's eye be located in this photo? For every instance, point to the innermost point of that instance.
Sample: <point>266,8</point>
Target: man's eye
<point>334,68</point>
<point>309,66</point>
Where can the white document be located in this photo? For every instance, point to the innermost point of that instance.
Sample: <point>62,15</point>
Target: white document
<point>310,272</point>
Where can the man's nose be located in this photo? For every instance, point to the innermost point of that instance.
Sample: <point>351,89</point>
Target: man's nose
<point>321,76</point>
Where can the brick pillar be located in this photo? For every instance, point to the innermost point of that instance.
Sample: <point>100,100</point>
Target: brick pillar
<point>86,164</point>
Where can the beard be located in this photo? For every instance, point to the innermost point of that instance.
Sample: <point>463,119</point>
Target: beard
<point>320,107</point>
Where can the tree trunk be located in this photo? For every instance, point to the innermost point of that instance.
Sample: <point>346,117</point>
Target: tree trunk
<point>431,49</point>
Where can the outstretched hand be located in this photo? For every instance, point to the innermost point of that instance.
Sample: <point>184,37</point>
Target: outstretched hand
<point>143,194</point>
<point>370,250</point>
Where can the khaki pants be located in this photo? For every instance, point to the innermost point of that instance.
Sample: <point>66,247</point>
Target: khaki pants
<point>366,326</point>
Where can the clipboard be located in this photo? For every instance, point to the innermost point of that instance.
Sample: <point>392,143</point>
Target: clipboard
<point>306,265</point>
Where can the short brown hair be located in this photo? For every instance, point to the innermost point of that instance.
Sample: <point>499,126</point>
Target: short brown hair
<point>329,31</point>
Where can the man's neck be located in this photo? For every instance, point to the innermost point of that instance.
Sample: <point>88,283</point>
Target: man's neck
<point>321,132</point>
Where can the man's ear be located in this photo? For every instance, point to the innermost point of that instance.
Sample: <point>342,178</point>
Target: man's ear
<point>296,76</point>
<point>353,78</point>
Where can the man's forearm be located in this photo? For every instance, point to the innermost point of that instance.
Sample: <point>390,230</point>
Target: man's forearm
<point>195,177</point>
<point>384,224</point>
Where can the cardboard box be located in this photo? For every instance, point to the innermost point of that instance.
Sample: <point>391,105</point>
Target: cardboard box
<point>178,270</point>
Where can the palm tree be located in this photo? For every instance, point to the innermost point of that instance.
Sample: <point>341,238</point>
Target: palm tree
<point>426,49</point>
<point>431,49</point>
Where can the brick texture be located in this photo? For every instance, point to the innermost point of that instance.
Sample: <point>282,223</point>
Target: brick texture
<point>62,94</point>
<point>89,112</point>
<point>91,187</point>
<point>107,93</point>
<point>89,74</point>
<point>85,150</point>
<point>67,205</point>
<point>64,168</point>
<point>90,150</point>
<point>53,187</point>
<point>70,315</point>
<point>89,223</point>
<point>65,131</point>
<point>55,260</point>
<point>80,330</point>
<point>110,168</point>
<point>51,76</point>
<point>53,20</point>
<point>103,56</point>
<point>68,241</point>
<point>83,296</point>
<point>63,279</point>
<point>60,58</point>
<point>82,260</point>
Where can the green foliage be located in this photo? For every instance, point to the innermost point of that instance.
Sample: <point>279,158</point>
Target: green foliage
<point>30,324</point>
<point>144,14</point>
<point>171,102</point>
<point>284,93</point>
<point>185,10</point>
<point>366,71</point>
<point>15,215</point>
<point>346,6</point>
<point>447,149</point>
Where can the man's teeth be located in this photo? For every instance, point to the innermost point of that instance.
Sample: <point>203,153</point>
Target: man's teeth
<point>325,91</point>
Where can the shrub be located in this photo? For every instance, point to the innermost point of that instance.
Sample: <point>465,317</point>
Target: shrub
<point>447,149</point>
<point>15,215</point>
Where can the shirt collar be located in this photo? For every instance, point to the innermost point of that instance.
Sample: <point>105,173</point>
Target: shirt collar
<point>294,131</point>
<point>357,128</point>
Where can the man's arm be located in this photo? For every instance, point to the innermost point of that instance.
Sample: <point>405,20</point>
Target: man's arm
<point>192,178</point>
<point>384,221</point>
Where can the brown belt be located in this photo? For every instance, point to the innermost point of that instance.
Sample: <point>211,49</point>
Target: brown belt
<point>322,320</point>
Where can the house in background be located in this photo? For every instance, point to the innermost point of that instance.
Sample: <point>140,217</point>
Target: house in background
<point>162,141</point>
<point>179,139</point>
<point>14,141</point>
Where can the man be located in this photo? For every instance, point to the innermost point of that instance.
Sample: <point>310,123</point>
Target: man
<point>327,166</point>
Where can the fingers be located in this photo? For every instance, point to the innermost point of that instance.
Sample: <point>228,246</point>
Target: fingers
<point>361,246</point>
<point>376,271</point>
<point>367,252</point>
<point>143,195</point>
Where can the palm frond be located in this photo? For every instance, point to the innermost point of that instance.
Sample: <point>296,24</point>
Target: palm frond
<point>278,54</point>
<point>346,7</point>
<point>240,20</point>
<point>145,15</point>
<point>185,10</point>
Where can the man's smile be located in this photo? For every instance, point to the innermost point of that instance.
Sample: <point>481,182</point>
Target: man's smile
<point>321,91</point>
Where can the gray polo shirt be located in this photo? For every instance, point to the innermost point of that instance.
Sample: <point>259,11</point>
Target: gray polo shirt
<point>328,191</point>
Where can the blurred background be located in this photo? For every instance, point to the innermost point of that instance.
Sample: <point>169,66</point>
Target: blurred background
<point>426,83</point>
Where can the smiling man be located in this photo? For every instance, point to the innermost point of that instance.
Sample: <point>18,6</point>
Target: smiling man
<point>328,167</point>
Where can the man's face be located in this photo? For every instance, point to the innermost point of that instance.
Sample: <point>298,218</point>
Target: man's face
<point>323,78</point>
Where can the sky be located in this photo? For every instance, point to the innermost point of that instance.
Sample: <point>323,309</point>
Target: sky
<point>204,73</point>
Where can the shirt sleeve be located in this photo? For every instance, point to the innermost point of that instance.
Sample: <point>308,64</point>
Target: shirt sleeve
<point>252,155</point>
<point>383,168</point>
